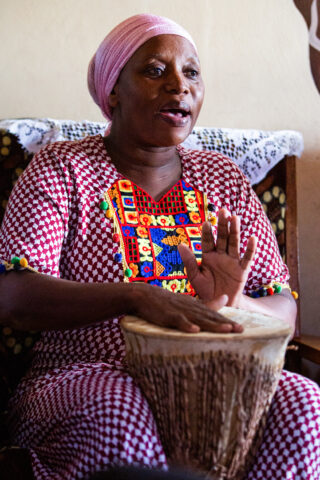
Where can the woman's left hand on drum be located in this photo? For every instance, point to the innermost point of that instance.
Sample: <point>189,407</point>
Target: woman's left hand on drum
<point>183,312</point>
<point>222,270</point>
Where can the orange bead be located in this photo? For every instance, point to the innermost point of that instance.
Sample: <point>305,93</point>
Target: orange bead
<point>295,295</point>
<point>108,214</point>
<point>23,262</point>
<point>213,221</point>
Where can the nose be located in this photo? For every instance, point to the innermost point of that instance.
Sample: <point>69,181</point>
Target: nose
<point>177,83</point>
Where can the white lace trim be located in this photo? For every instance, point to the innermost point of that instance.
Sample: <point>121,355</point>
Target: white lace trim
<point>254,151</point>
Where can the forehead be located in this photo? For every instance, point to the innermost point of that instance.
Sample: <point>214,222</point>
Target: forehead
<point>165,46</point>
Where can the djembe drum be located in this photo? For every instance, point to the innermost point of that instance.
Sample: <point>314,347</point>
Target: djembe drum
<point>209,393</point>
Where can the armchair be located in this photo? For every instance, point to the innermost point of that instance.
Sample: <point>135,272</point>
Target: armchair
<point>267,158</point>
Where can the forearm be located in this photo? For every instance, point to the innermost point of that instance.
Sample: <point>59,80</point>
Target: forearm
<point>39,302</point>
<point>281,306</point>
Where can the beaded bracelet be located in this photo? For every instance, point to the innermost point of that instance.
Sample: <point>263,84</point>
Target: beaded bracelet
<point>16,263</point>
<point>271,289</point>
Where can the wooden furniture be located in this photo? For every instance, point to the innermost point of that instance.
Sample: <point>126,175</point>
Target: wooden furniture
<point>283,175</point>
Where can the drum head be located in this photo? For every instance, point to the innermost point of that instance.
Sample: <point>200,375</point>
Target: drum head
<point>255,325</point>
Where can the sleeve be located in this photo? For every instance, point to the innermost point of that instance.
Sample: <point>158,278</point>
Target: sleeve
<point>35,224</point>
<point>268,266</point>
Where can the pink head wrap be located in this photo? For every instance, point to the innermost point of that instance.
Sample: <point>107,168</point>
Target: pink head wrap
<point>118,47</point>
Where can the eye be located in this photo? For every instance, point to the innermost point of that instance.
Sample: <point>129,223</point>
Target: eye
<point>192,73</point>
<point>154,71</point>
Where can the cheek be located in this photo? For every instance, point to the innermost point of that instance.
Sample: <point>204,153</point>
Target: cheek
<point>199,96</point>
<point>137,93</point>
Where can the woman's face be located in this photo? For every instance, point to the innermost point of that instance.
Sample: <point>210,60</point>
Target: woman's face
<point>159,93</point>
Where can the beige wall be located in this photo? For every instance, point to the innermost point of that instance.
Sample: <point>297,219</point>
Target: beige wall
<point>255,64</point>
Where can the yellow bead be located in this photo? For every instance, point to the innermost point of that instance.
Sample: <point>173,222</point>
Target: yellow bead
<point>108,214</point>
<point>11,341</point>
<point>295,295</point>
<point>6,331</point>
<point>17,349</point>
<point>213,221</point>
<point>6,140</point>
<point>28,341</point>
<point>18,171</point>
<point>23,262</point>
<point>4,151</point>
<point>267,197</point>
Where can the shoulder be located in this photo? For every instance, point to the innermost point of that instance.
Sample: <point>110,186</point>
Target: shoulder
<point>71,165</point>
<point>211,159</point>
<point>74,158</point>
<point>214,165</point>
<point>69,149</point>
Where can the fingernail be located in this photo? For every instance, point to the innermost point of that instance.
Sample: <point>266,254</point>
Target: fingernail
<point>195,328</point>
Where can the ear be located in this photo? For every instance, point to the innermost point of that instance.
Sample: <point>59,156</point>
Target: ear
<point>114,96</point>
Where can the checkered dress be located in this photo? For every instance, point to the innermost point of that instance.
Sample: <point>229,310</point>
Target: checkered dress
<point>77,409</point>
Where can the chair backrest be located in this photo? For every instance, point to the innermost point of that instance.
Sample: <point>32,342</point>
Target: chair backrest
<point>278,194</point>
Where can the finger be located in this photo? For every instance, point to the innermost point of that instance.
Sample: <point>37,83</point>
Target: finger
<point>222,231</point>
<point>203,312</point>
<point>207,326</point>
<point>180,322</point>
<point>234,237</point>
<point>207,240</point>
<point>218,302</point>
<point>249,253</point>
<point>189,261</point>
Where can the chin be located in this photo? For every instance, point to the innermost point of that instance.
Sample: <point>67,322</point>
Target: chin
<point>172,137</point>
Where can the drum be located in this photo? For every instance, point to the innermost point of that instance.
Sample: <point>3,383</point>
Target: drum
<point>210,393</point>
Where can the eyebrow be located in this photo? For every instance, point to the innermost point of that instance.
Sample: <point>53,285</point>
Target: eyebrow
<point>160,57</point>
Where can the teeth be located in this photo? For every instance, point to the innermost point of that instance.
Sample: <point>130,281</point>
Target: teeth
<point>176,113</point>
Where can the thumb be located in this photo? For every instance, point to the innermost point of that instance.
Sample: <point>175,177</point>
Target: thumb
<point>189,261</point>
<point>218,302</point>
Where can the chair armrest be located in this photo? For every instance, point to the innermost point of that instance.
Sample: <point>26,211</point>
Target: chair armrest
<point>308,347</point>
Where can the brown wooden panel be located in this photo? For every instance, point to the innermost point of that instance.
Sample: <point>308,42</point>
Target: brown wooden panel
<point>283,175</point>
<point>308,347</point>
<point>292,240</point>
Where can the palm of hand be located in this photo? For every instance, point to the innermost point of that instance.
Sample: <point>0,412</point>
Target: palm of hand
<point>219,274</point>
<point>222,271</point>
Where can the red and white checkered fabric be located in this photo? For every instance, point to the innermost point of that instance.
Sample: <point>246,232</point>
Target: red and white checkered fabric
<point>291,442</point>
<point>78,409</point>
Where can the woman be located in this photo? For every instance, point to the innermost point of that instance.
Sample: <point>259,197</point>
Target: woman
<point>102,219</point>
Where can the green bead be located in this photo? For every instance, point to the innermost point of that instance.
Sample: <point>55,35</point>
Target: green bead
<point>15,260</point>
<point>128,272</point>
<point>104,205</point>
<point>277,288</point>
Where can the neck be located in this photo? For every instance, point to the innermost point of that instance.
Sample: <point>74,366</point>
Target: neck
<point>155,169</point>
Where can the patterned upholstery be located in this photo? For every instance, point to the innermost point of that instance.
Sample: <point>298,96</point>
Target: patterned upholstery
<point>15,346</point>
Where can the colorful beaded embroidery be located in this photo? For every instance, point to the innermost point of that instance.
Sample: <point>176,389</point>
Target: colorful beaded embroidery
<point>148,233</point>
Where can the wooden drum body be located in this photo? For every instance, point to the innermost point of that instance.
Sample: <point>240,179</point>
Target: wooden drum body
<point>209,393</point>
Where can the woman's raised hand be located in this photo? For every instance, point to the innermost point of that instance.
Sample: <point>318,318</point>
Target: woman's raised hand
<point>222,271</point>
<point>183,312</point>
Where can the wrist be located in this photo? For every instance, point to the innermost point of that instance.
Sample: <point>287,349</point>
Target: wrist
<point>243,302</point>
<point>134,297</point>
<point>238,301</point>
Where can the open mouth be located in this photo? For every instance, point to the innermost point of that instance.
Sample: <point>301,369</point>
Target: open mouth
<point>176,112</point>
